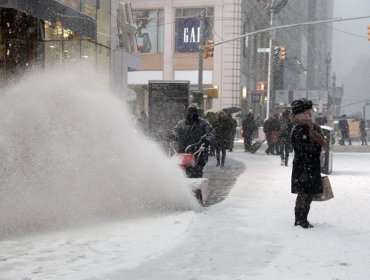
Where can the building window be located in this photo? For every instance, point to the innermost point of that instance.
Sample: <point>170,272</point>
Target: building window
<point>188,28</point>
<point>88,7</point>
<point>150,32</point>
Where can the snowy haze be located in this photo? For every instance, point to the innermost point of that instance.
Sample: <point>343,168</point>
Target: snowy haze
<point>250,235</point>
<point>351,53</point>
<point>70,155</point>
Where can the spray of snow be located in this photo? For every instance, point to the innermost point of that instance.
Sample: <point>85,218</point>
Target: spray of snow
<point>70,155</point>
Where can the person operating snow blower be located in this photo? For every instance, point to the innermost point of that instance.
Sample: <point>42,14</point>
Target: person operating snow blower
<point>190,134</point>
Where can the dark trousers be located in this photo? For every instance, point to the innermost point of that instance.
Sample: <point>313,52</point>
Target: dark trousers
<point>221,150</point>
<point>285,148</point>
<point>303,200</point>
<point>247,142</point>
<point>345,135</point>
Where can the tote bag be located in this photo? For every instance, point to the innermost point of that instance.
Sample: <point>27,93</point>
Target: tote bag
<point>327,192</point>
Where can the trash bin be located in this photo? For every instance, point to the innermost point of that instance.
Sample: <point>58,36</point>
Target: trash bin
<point>327,152</point>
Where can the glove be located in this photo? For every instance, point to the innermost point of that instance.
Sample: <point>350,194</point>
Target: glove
<point>206,142</point>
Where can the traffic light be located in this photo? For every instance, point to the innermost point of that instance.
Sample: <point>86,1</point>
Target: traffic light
<point>275,53</point>
<point>261,86</point>
<point>282,54</point>
<point>368,32</point>
<point>208,51</point>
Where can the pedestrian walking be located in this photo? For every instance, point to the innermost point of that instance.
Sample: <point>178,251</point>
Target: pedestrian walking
<point>363,132</point>
<point>221,127</point>
<point>321,120</point>
<point>249,126</point>
<point>307,140</point>
<point>275,131</point>
<point>231,125</point>
<point>344,130</point>
<point>286,126</point>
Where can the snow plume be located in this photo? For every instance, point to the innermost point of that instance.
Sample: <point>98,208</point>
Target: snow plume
<point>70,155</point>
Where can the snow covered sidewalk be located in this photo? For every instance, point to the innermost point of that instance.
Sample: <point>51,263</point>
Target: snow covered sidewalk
<point>249,235</point>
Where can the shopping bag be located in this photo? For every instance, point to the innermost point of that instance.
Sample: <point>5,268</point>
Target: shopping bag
<point>327,192</point>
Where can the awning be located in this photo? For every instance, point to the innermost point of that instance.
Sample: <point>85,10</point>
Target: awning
<point>52,11</point>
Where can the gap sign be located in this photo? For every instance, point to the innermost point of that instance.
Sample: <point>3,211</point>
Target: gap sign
<point>188,33</point>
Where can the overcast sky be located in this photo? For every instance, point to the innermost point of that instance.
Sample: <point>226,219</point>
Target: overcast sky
<point>347,48</point>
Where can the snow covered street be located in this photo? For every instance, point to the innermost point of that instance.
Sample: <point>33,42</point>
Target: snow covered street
<point>249,235</point>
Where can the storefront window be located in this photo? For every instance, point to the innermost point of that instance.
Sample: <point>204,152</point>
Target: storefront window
<point>188,28</point>
<point>64,45</point>
<point>150,33</point>
<point>88,7</point>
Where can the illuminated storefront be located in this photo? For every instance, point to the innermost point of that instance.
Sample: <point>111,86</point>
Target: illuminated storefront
<point>44,33</point>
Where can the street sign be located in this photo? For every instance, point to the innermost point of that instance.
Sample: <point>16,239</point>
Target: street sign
<point>263,50</point>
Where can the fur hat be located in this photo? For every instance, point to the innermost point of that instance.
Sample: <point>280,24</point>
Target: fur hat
<point>301,105</point>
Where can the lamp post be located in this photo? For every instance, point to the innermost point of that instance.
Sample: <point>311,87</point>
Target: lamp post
<point>364,110</point>
<point>269,74</point>
<point>327,61</point>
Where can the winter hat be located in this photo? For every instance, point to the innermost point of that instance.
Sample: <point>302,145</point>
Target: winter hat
<point>192,110</point>
<point>301,105</point>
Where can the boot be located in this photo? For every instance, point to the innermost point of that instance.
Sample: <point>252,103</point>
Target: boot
<point>306,223</point>
<point>218,160</point>
<point>282,162</point>
<point>286,161</point>
<point>222,161</point>
<point>301,217</point>
<point>298,216</point>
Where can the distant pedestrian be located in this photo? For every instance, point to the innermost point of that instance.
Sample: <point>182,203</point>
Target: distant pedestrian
<point>231,125</point>
<point>344,130</point>
<point>249,127</point>
<point>286,126</point>
<point>321,120</point>
<point>363,132</point>
<point>222,137</point>
<point>307,140</point>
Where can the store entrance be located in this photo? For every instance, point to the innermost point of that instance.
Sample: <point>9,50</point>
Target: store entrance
<point>18,44</point>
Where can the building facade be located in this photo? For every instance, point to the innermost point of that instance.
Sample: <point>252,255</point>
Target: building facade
<point>168,37</point>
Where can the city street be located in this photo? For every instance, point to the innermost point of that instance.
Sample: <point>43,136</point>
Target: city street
<point>248,235</point>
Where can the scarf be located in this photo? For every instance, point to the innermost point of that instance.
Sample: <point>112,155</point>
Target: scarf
<point>314,130</point>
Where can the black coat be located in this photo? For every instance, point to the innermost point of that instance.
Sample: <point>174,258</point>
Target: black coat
<point>249,125</point>
<point>222,130</point>
<point>188,133</point>
<point>286,126</point>
<point>306,177</point>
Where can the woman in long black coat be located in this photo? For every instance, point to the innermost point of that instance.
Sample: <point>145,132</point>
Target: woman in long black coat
<point>222,136</point>
<point>307,140</point>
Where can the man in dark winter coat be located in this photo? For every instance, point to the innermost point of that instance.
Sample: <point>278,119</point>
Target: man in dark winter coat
<point>231,124</point>
<point>249,125</point>
<point>344,130</point>
<point>307,140</point>
<point>194,129</point>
